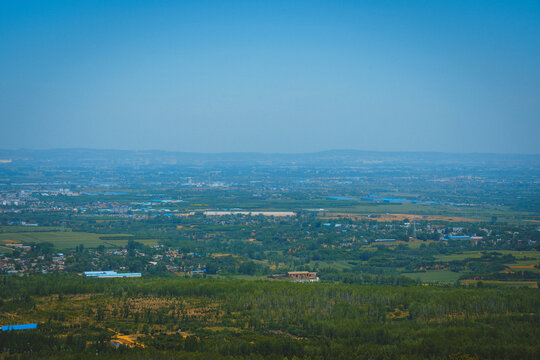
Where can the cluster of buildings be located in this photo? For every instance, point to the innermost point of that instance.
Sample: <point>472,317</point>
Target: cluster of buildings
<point>384,240</point>
<point>297,276</point>
<point>22,263</point>
<point>462,237</point>
<point>110,274</point>
<point>16,198</point>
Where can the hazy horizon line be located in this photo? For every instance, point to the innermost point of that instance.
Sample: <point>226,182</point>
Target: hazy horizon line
<point>268,153</point>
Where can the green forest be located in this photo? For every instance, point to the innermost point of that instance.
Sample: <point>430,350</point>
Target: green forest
<point>182,318</point>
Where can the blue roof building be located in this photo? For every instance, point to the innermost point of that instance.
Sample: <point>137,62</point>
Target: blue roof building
<point>110,274</point>
<point>19,327</point>
<point>458,238</point>
<point>384,240</point>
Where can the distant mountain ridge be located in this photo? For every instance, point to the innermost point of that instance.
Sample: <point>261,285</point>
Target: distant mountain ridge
<point>329,158</point>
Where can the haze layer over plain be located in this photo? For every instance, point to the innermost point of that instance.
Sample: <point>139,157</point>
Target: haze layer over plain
<point>299,76</point>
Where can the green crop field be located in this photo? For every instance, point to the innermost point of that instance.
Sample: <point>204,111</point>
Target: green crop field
<point>339,265</point>
<point>434,276</point>
<point>11,229</point>
<point>462,256</point>
<point>520,254</point>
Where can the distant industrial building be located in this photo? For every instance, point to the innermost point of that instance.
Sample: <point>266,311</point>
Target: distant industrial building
<point>203,271</point>
<point>298,276</point>
<point>384,240</point>
<point>301,275</point>
<point>110,274</point>
<point>458,238</point>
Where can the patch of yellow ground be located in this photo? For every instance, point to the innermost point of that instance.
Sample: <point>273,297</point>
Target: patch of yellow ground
<point>126,340</point>
<point>522,266</point>
<point>397,217</point>
<point>8,241</point>
<point>223,328</point>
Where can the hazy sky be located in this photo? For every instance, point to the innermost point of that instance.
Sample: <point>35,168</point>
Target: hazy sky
<point>271,76</point>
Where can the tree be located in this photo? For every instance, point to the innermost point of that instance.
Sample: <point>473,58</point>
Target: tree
<point>247,268</point>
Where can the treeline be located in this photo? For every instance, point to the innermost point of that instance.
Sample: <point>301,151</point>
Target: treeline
<point>455,299</point>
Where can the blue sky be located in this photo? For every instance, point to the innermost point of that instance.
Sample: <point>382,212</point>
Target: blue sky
<point>271,76</point>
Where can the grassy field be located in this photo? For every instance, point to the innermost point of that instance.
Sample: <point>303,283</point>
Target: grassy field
<point>11,229</point>
<point>339,265</point>
<point>434,276</point>
<point>476,254</point>
<point>5,250</point>
<point>416,244</point>
<point>66,239</point>
<point>459,257</point>
<point>410,244</point>
<point>521,254</point>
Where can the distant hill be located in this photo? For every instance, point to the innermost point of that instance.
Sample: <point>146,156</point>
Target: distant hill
<point>331,158</point>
